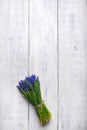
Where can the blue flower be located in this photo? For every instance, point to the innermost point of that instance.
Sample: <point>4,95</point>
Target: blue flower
<point>21,85</point>
<point>24,84</point>
<point>31,79</point>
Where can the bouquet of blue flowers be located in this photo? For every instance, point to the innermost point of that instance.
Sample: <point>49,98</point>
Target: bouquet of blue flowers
<point>30,89</point>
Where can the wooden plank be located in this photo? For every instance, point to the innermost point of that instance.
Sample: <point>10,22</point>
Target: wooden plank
<point>43,56</point>
<point>72,64</point>
<point>13,63</point>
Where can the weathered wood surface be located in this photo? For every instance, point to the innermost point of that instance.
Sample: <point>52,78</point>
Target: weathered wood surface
<point>13,64</point>
<point>43,56</point>
<point>34,36</point>
<point>72,64</point>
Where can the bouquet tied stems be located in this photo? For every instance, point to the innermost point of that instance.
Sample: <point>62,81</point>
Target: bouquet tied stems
<point>30,88</point>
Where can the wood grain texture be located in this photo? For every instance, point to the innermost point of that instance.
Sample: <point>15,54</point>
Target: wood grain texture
<point>72,65</point>
<point>43,56</point>
<point>28,44</point>
<point>13,64</point>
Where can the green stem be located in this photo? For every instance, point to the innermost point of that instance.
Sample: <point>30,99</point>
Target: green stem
<point>44,114</point>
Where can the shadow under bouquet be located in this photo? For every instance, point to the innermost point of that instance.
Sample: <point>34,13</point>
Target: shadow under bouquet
<point>30,89</point>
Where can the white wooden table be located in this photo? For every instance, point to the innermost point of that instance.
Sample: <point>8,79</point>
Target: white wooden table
<point>48,38</point>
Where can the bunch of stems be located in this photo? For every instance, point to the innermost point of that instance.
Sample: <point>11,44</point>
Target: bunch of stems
<point>30,89</point>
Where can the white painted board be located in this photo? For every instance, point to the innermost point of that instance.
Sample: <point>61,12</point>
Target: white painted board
<point>72,64</point>
<point>43,56</point>
<point>13,64</point>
